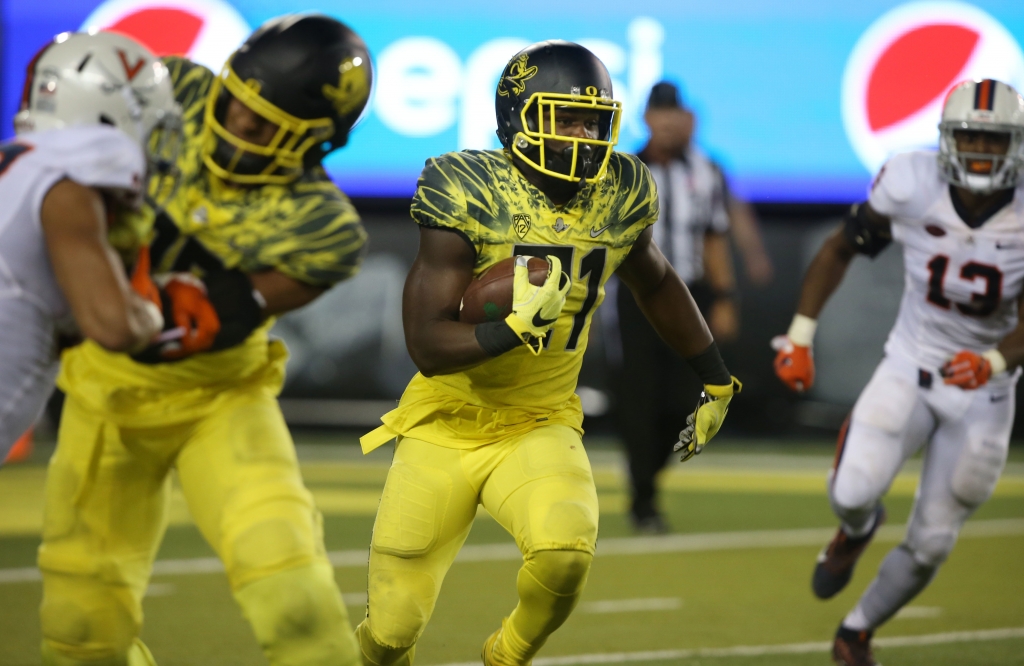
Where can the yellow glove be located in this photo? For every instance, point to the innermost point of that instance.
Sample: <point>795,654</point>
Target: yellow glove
<point>706,420</point>
<point>535,309</point>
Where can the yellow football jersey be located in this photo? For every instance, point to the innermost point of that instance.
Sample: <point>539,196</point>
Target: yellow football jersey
<point>483,197</point>
<point>307,230</point>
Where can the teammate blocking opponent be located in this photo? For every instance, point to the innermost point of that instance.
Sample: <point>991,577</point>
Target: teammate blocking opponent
<point>948,378</point>
<point>492,417</point>
<point>261,229</point>
<point>88,132</point>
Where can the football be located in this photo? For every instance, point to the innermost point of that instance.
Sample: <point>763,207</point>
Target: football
<point>489,297</point>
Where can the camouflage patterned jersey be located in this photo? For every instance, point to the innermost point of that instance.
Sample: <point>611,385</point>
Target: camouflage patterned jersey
<point>483,196</point>
<point>307,230</point>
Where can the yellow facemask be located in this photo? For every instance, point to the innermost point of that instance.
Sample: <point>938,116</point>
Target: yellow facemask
<point>547,106</point>
<point>283,155</point>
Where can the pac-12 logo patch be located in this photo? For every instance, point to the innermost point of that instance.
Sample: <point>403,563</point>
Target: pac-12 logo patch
<point>903,66</point>
<point>521,223</point>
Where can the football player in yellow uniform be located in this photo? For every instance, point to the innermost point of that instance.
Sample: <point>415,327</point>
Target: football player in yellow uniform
<point>255,228</point>
<point>492,417</point>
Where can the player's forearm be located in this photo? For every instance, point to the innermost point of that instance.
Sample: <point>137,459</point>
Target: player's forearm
<point>279,293</point>
<point>441,347</point>
<point>825,274</point>
<point>119,323</point>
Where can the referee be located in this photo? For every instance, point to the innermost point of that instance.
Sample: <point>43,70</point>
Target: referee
<point>658,388</point>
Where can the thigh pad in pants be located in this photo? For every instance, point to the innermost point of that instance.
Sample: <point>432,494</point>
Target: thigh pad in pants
<point>544,493</point>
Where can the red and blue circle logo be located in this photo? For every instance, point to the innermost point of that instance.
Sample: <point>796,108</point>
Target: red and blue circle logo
<point>205,31</point>
<point>904,65</point>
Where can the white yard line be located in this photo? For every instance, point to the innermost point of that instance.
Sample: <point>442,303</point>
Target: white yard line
<point>918,613</point>
<point>763,650</point>
<point>674,543</point>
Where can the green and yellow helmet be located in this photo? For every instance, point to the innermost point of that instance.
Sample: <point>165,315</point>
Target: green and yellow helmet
<point>308,74</point>
<point>537,83</point>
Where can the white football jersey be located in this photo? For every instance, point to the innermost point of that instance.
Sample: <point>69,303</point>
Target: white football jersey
<point>962,284</point>
<point>96,156</point>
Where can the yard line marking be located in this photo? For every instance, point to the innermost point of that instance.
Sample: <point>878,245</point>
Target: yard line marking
<point>763,650</point>
<point>673,543</point>
<point>160,590</point>
<point>354,598</point>
<point>631,605</point>
<point>918,613</point>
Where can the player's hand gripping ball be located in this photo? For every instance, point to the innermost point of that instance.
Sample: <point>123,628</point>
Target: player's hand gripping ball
<point>535,309</point>
<point>706,420</point>
<point>489,297</point>
<point>794,364</point>
<point>967,370</point>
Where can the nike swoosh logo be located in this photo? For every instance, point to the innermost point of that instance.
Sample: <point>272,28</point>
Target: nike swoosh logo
<point>997,398</point>
<point>594,233</point>
<point>1006,246</point>
<point>539,321</point>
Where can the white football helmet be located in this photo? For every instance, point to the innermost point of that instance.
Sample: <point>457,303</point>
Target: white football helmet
<point>103,78</point>
<point>988,106</point>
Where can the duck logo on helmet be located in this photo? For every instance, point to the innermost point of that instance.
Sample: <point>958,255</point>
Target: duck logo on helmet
<point>517,76</point>
<point>353,86</point>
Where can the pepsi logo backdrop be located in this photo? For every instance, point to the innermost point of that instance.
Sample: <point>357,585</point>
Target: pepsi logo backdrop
<point>800,100</point>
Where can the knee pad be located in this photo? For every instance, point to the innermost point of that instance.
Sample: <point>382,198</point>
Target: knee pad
<point>272,528</point>
<point>561,572</point>
<point>86,621</point>
<point>400,603</point>
<point>562,519</point>
<point>930,546</point>
<point>854,492</point>
<point>299,618</point>
<point>376,653</point>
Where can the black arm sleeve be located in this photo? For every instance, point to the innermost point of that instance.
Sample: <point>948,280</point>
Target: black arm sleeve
<point>710,367</point>
<point>230,293</point>
<point>496,337</point>
<point>863,234</point>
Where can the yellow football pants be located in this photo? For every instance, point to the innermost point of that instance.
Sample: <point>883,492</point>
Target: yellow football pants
<point>538,486</point>
<point>106,511</point>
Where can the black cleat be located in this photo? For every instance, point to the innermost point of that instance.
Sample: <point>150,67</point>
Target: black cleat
<point>853,648</point>
<point>836,562</point>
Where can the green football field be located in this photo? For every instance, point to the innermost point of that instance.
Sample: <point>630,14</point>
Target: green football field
<point>730,586</point>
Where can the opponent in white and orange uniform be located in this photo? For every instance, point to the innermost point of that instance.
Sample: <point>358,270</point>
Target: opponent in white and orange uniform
<point>947,382</point>
<point>77,163</point>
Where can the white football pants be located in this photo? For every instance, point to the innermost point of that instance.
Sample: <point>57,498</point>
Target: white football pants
<point>965,435</point>
<point>28,367</point>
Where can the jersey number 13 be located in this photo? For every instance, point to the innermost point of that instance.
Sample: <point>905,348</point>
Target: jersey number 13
<point>982,304</point>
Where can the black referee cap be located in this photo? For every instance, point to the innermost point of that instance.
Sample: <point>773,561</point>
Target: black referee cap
<point>664,95</point>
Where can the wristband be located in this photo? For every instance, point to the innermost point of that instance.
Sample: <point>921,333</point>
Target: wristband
<point>801,331</point>
<point>710,367</point>
<point>996,360</point>
<point>496,338</point>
